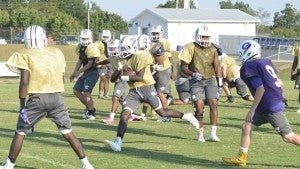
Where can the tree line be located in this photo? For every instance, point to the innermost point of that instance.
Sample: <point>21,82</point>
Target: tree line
<point>59,17</point>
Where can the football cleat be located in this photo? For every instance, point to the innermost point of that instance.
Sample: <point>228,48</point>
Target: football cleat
<point>115,145</point>
<point>239,160</point>
<point>108,120</point>
<point>214,138</point>
<point>7,164</point>
<point>191,118</point>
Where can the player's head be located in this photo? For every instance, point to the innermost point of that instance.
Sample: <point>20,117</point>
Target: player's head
<point>105,36</point>
<point>157,49</point>
<point>35,37</point>
<point>144,42</point>
<point>128,46</point>
<point>203,36</point>
<point>86,37</point>
<point>156,33</point>
<point>113,47</point>
<point>248,50</point>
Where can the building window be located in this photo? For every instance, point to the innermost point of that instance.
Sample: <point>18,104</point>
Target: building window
<point>145,30</point>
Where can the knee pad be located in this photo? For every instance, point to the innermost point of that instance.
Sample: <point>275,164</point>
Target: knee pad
<point>65,131</point>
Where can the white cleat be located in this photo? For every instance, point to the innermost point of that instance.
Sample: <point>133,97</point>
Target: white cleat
<point>86,164</point>
<point>201,139</point>
<point>191,118</point>
<point>7,165</point>
<point>114,145</point>
<point>214,138</point>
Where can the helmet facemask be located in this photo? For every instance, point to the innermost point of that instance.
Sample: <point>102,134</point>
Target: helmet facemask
<point>105,36</point>
<point>128,46</point>
<point>202,36</point>
<point>113,48</point>
<point>86,37</point>
<point>249,50</point>
<point>156,33</point>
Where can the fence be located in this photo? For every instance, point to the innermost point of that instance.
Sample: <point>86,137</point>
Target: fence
<point>277,49</point>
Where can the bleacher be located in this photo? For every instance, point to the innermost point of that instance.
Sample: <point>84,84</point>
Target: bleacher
<point>273,43</point>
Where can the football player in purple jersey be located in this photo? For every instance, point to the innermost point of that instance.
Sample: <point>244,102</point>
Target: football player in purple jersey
<point>261,78</point>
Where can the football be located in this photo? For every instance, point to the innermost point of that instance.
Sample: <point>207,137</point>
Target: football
<point>127,70</point>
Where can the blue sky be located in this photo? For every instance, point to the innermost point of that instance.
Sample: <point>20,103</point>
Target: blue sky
<point>130,8</point>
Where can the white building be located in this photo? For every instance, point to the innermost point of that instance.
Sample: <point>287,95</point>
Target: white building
<point>180,24</point>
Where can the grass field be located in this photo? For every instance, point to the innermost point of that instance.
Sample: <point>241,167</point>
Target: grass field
<point>148,144</point>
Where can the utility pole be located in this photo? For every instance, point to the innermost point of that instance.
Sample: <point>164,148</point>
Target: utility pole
<point>90,5</point>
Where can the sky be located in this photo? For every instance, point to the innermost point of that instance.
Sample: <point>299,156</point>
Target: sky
<point>128,9</point>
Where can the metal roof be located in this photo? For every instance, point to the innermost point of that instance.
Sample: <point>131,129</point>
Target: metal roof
<point>194,15</point>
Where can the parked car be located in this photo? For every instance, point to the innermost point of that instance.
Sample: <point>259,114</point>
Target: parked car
<point>19,38</point>
<point>69,40</point>
<point>2,41</point>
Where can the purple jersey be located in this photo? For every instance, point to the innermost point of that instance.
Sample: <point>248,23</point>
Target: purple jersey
<point>262,72</point>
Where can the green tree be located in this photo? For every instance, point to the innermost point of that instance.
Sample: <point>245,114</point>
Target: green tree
<point>22,17</point>
<point>172,4</point>
<point>63,23</point>
<point>4,18</point>
<point>286,22</point>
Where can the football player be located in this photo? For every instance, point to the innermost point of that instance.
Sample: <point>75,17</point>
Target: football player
<point>231,78</point>
<point>141,89</point>
<point>42,69</point>
<point>105,69</point>
<point>120,87</point>
<point>261,78</point>
<point>200,61</point>
<point>88,54</point>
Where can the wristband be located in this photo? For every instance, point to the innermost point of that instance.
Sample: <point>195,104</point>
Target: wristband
<point>125,78</point>
<point>219,81</point>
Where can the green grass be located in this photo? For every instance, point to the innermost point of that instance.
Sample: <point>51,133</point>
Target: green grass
<point>148,144</point>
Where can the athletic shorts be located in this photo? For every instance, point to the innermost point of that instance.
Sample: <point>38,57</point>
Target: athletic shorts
<point>277,120</point>
<point>162,81</point>
<point>183,91</point>
<point>51,106</point>
<point>87,81</point>
<point>241,87</point>
<point>204,89</point>
<point>120,89</point>
<point>138,95</point>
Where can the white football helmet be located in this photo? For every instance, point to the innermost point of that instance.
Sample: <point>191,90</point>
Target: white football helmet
<point>86,37</point>
<point>248,50</point>
<point>203,36</point>
<point>156,33</point>
<point>144,42</point>
<point>35,37</point>
<point>113,47</point>
<point>128,46</point>
<point>105,36</point>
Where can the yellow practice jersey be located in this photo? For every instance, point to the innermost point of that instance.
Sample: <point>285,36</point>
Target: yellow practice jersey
<point>140,60</point>
<point>46,67</point>
<point>103,50</point>
<point>166,61</point>
<point>200,59</point>
<point>232,69</point>
<point>296,53</point>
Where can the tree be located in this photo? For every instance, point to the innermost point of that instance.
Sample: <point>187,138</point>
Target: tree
<point>4,18</point>
<point>22,17</point>
<point>172,4</point>
<point>286,22</point>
